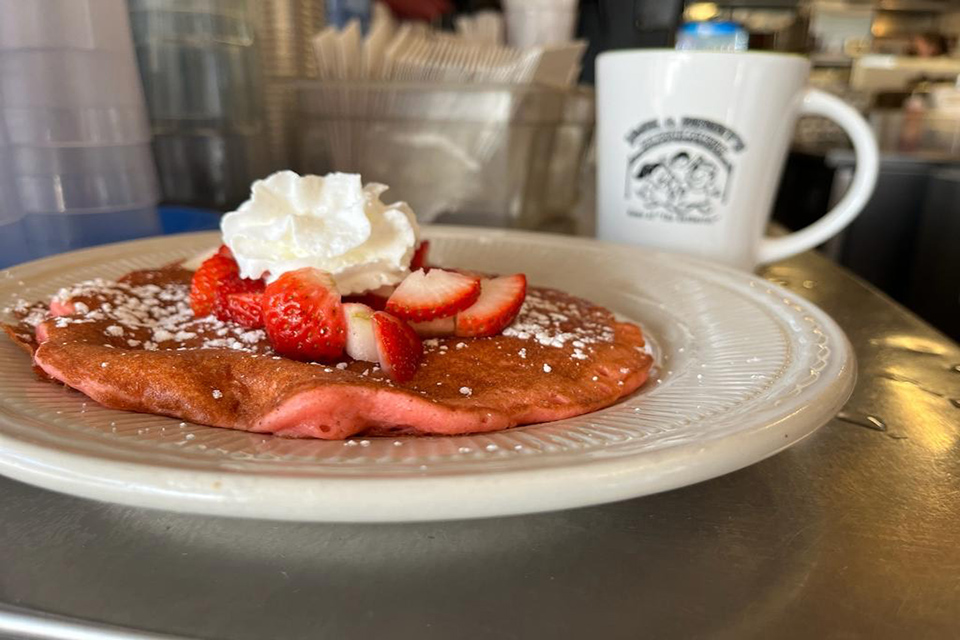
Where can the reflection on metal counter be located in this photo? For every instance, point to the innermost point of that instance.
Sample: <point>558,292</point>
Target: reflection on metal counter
<point>934,287</point>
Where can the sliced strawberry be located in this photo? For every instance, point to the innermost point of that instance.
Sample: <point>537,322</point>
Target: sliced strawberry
<point>361,344</point>
<point>246,309</point>
<point>376,299</point>
<point>224,251</point>
<point>216,279</point>
<point>303,315</point>
<point>419,260</point>
<point>212,275</point>
<point>233,287</point>
<point>434,294</point>
<point>435,328</point>
<point>398,346</point>
<point>499,303</point>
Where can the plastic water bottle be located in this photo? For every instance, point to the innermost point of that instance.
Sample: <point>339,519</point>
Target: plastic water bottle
<point>712,36</point>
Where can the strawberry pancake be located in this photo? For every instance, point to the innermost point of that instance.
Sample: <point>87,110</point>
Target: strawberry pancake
<point>326,347</point>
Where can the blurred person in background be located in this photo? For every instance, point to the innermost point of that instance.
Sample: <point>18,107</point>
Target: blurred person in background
<point>928,45</point>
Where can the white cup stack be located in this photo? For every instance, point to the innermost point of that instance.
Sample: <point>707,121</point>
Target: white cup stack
<point>72,106</point>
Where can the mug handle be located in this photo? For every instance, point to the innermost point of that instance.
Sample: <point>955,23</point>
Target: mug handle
<point>818,103</point>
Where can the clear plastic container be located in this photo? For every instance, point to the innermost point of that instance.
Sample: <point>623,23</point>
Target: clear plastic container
<point>495,155</point>
<point>86,193</point>
<point>197,23</point>
<point>199,60</point>
<point>14,241</point>
<point>78,158</point>
<point>200,86</point>
<point>64,24</point>
<point>84,179</point>
<point>14,245</point>
<point>69,79</point>
<point>68,74</point>
<point>10,209</point>
<point>81,160</point>
<point>76,126</point>
<point>211,170</point>
<point>199,63</point>
<point>216,7</point>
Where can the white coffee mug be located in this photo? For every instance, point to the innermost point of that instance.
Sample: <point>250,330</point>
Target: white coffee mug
<point>691,145</point>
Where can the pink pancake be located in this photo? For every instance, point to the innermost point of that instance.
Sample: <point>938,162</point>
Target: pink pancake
<point>135,345</point>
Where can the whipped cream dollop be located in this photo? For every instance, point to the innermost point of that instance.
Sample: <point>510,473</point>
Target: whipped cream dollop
<point>334,223</point>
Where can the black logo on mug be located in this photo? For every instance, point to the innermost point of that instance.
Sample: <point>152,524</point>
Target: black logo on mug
<point>680,169</point>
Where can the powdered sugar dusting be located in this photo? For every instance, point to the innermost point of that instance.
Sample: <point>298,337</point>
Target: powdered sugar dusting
<point>31,313</point>
<point>560,323</point>
<point>148,313</point>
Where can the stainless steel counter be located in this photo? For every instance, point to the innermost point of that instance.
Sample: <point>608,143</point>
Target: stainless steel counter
<point>853,533</point>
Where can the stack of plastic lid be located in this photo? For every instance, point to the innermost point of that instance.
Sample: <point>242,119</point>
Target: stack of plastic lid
<point>72,105</point>
<point>200,69</point>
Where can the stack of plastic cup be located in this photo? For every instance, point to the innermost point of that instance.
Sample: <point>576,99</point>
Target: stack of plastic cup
<point>286,29</point>
<point>200,67</point>
<point>72,105</point>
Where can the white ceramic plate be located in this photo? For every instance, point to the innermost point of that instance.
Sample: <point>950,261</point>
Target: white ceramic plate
<point>745,369</point>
